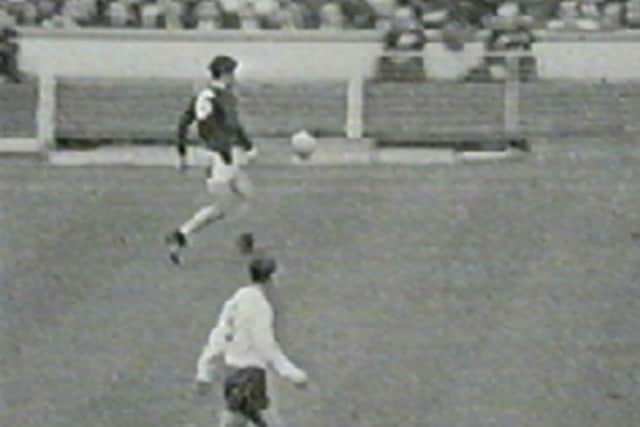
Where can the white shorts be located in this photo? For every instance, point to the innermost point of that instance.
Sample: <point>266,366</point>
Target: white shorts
<point>219,171</point>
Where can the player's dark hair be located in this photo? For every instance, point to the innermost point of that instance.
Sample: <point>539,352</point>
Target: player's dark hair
<point>261,269</point>
<point>222,65</point>
<point>215,73</point>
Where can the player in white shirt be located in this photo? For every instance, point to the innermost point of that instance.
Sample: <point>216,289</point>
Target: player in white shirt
<point>244,338</point>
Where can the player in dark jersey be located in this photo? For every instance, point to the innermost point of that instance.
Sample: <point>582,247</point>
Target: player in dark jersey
<point>226,149</point>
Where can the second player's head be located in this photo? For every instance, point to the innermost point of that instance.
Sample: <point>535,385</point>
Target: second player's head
<point>262,269</point>
<point>223,68</point>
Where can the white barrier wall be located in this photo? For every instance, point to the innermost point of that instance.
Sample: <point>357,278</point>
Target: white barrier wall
<point>613,60</point>
<point>185,54</point>
<point>300,55</point>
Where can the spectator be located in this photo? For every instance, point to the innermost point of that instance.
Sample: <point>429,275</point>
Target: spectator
<point>510,29</point>
<point>189,19</point>
<point>571,16</point>
<point>30,15</point>
<point>6,19</point>
<point>434,15</point>
<point>70,15</point>
<point>331,16</point>
<point>24,11</point>
<point>150,14</point>
<point>267,12</point>
<point>383,10</point>
<point>79,13</point>
<point>119,14</point>
<point>359,14</point>
<point>590,16</point>
<point>208,15</point>
<point>612,16</point>
<point>632,14</point>
<point>14,8</point>
<point>291,15</point>
<point>309,16</point>
<point>232,11</point>
<point>540,11</point>
<point>248,17</point>
<point>46,10</point>
<point>474,13</point>
<point>8,50</point>
<point>589,9</point>
<point>405,36</point>
<point>89,12</point>
<point>134,8</point>
<point>173,12</point>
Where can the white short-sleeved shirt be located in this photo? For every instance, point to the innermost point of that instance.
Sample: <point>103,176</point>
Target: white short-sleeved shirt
<point>244,337</point>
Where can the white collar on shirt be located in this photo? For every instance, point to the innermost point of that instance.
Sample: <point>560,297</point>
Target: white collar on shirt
<point>217,84</point>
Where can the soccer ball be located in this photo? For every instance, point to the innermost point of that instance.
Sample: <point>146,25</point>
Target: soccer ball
<point>303,145</point>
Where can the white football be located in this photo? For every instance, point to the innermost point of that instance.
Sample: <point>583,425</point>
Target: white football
<point>303,144</point>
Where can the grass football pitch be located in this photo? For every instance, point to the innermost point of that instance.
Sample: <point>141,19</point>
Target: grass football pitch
<point>494,294</point>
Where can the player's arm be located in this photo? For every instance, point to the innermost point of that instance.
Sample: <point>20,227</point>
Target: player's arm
<point>215,345</point>
<point>186,119</point>
<point>232,122</point>
<point>265,341</point>
<point>243,139</point>
<point>246,143</point>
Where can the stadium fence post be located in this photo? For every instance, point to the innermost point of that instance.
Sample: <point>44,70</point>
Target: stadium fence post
<point>512,96</point>
<point>46,112</point>
<point>355,104</point>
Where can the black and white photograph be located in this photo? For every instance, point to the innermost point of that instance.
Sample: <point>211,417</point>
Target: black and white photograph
<point>319,213</point>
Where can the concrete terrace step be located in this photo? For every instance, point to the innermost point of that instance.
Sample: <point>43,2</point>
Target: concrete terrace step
<point>28,150</point>
<point>19,146</point>
<point>329,153</point>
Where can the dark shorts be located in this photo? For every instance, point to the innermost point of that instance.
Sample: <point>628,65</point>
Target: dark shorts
<point>245,392</point>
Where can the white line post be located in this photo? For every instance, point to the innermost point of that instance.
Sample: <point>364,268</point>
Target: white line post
<point>511,90</point>
<point>512,96</point>
<point>355,107</point>
<point>46,113</point>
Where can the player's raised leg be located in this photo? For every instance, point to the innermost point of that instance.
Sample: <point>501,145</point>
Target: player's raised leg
<point>219,176</point>
<point>242,188</point>
<point>272,414</point>
<point>229,419</point>
<point>178,239</point>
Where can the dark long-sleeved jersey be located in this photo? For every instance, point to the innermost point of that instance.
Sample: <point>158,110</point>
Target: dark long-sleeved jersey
<point>215,110</point>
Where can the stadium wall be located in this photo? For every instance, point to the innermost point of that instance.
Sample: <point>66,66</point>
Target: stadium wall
<point>450,112</point>
<point>18,105</point>
<point>301,55</point>
<point>149,109</point>
<point>81,108</point>
<point>95,86</point>
<point>268,56</point>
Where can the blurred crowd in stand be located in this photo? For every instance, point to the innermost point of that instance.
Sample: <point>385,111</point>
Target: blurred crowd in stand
<point>509,24</point>
<point>313,14</point>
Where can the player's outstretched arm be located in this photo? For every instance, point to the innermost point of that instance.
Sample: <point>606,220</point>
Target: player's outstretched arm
<point>247,144</point>
<point>213,348</point>
<point>264,338</point>
<point>186,119</point>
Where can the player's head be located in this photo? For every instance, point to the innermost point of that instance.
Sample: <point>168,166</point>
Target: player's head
<point>246,244</point>
<point>262,269</point>
<point>223,68</point>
